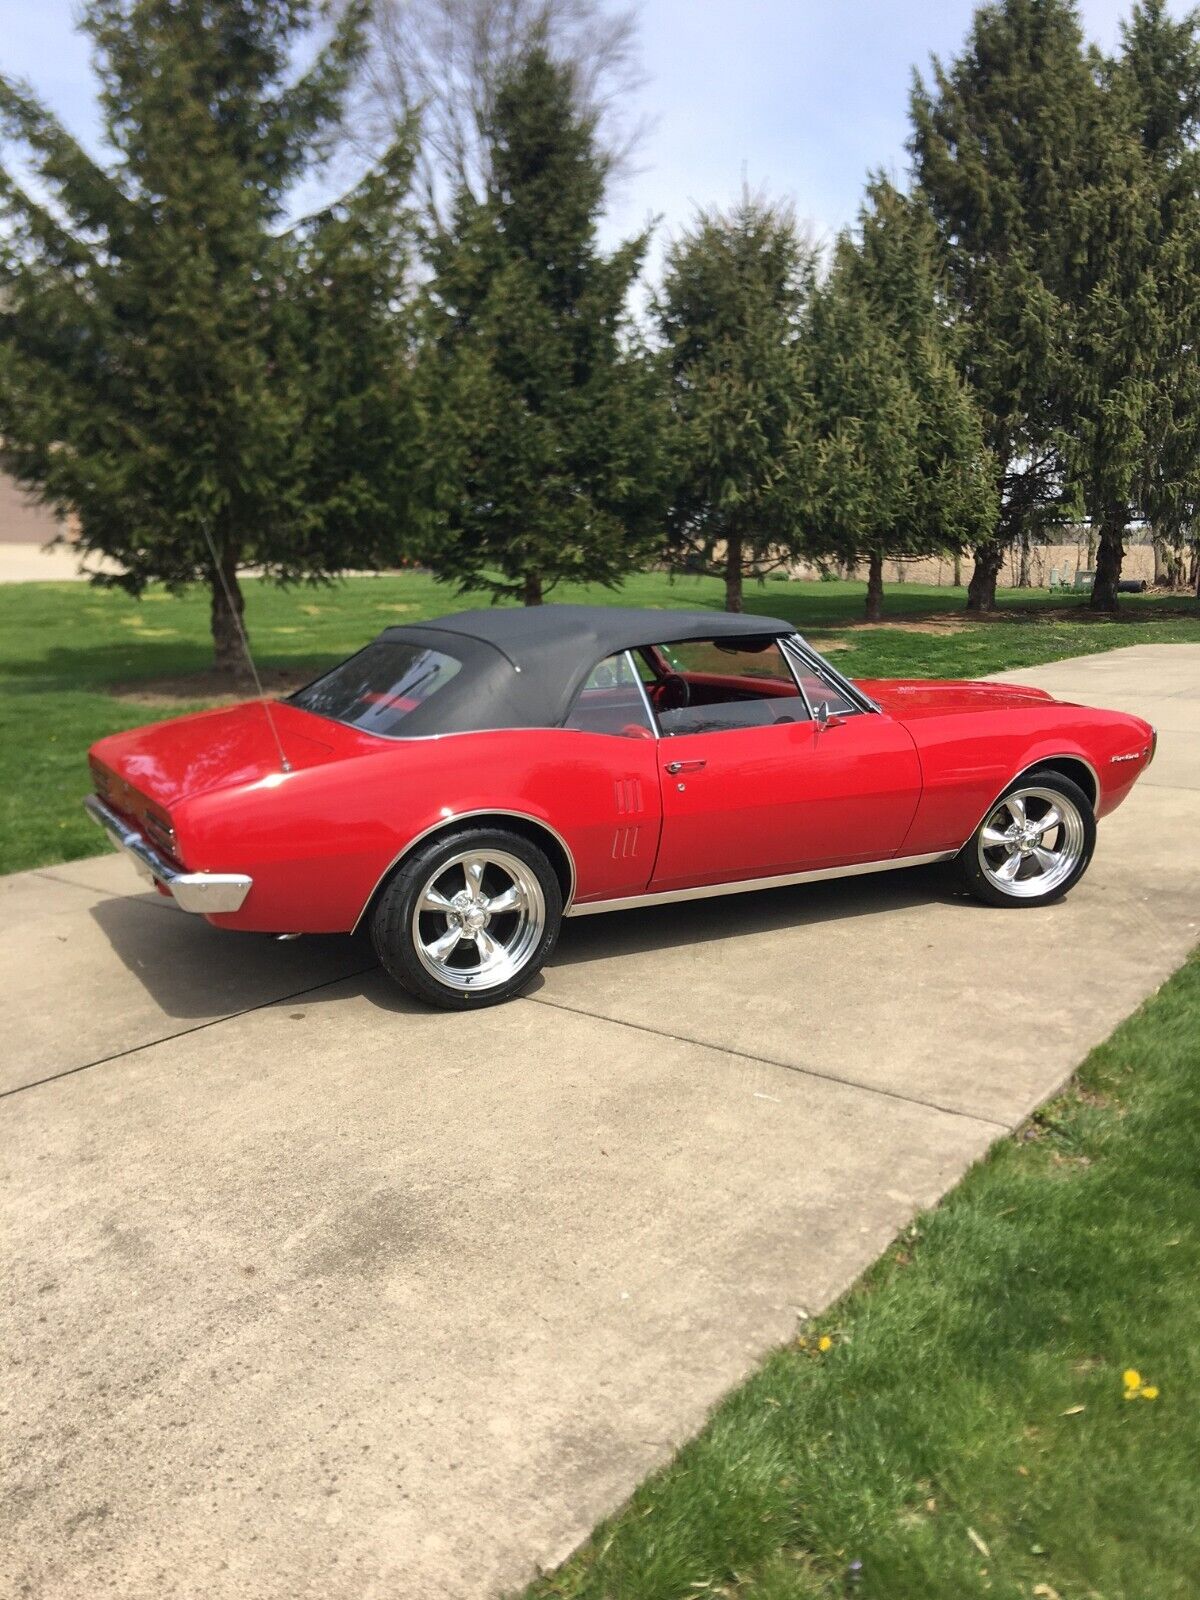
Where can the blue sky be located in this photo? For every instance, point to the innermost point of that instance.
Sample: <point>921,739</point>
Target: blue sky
<point>802,97</point>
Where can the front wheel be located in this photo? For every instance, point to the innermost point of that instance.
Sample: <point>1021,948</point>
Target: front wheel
<point>467,921</point>
<point>1033,845</point>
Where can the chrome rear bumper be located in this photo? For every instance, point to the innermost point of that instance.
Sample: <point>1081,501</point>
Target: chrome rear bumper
<point>204,892</point>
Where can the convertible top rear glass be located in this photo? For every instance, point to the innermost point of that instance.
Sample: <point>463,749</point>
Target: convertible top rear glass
<point>380,686</point>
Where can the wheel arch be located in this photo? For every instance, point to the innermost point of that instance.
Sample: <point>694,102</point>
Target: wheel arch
<point>1068,765</point>
<point>535,829</point>
<point>1074,767</point>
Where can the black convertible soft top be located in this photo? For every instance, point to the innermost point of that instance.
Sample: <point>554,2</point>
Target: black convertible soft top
<point>523,666</point>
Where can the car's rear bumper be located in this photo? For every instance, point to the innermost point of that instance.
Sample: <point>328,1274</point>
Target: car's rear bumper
<point>203,892</point>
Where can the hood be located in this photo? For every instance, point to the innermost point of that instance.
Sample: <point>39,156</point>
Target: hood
<point>172,761</point>
<point>904,698</point>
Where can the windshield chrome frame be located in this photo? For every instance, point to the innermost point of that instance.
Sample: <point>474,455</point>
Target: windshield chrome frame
<point>794,644</point>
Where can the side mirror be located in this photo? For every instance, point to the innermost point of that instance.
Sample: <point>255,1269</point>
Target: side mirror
<point>825,717</point>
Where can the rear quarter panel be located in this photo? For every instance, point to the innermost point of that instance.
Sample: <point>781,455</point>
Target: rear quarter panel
<point>969,758</point>
<point>317,842</point>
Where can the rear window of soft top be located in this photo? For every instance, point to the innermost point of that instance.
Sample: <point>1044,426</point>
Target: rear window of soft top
<point>377,688</point>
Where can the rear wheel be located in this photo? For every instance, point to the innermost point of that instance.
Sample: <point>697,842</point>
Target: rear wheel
<point>1034,844</point>
<point>467,920</point>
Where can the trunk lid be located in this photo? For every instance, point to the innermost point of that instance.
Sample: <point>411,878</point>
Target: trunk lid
<point>167,762</point>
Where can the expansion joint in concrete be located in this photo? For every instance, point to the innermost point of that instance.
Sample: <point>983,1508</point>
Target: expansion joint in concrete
<point>182,1033</point>
<point>782,1066</point>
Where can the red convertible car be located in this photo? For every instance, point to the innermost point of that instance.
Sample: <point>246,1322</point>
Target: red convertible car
<point>461,785</point>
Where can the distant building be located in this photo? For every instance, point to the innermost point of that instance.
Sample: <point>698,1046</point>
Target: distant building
<point>22,520</point>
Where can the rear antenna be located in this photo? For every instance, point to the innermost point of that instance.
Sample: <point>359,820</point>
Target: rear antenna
<point>284,763</point>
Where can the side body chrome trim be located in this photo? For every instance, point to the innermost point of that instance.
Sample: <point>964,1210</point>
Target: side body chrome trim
<point>709,891</point>
<point>465,816</point>
<point>201,892</point>
<point>1032,766</point>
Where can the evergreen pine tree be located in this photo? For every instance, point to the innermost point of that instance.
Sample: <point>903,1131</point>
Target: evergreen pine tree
<point>999,143</point>
<point>1156,83</point>
<point>1114,334</point>
<point>899,466</point>
<point>546,460</point>
<point>731,317</point>
<point>171,361</point>
<point>349,329</point>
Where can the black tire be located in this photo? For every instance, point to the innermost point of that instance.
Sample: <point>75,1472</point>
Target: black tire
<point>983,866</point>
<point>466,978</point>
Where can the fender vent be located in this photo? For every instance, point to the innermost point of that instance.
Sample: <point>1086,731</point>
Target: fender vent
<point>629,796</point>
<point>625,843</point>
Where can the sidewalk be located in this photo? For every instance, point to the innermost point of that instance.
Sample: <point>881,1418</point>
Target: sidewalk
<point>33,563</point>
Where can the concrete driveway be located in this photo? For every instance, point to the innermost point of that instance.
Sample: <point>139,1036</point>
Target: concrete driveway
<point>317,1294</point>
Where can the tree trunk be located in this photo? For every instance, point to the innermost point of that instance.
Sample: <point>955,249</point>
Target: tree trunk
<point>733,573</point>
<point>958,569</point>
<point>1162,565</point>
<point>1023,581</point>
<point>229,656</point>
<point>875,587</point>
<point>981,591</point>
<point>1109,554</point>
<point>531,593</point>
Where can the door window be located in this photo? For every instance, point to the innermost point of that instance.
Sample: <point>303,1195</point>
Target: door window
<point>612,701</point>
<point>716,685</point>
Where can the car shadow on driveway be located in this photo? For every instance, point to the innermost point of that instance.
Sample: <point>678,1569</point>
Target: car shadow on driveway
<point>192,971</point>
<point>722,917</point>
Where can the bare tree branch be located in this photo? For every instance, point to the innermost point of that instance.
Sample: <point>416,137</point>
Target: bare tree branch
<point>441,60</point>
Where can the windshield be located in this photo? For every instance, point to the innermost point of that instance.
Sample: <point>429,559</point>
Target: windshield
<point>376,689</point>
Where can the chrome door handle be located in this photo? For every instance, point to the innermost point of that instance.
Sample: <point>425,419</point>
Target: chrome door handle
<point>685,766</point>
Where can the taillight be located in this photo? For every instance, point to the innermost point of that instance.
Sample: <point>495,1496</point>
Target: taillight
<point>159,829</point>
<point>154,820</point>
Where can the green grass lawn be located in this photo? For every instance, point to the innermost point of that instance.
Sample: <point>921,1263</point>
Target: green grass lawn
<point>65,648</point>
<point>960,1424</point>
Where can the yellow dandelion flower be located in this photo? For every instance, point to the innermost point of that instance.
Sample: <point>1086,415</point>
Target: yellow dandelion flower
<point>1150,1391</point>
<point>1132,1394</point>
<point>1132,1378</point>
<point>824,1342</point>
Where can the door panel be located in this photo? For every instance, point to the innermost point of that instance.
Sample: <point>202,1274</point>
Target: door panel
<point>753,802</point>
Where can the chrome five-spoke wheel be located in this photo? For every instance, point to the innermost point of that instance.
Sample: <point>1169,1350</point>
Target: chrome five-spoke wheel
<point>477,918</point>
<point>468,919</point>
<point>1034,843</point>
<point>1031,843</point>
